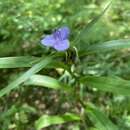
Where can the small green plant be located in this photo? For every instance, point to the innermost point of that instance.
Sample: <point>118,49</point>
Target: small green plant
<point>71,71</point>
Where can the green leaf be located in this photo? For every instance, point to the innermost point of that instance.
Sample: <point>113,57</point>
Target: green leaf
<point>106,46</point>
<point>99,119</point>
<point>84,32</point>
<point>46,120</point>
<point>36,68</point>
<point>6,48</point>
<point>16,62</point>
<point>9,112</point>
<point>46,81</point>
<point>114,84</point>
<point>27,61</point>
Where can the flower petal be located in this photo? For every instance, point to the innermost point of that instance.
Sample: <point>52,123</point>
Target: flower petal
<point>61,45</point>
<point>48,40</point>
<point>64,31</point>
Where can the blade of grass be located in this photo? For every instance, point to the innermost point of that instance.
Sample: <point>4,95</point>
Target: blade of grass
<point>114,84</point>
<point>90,25</point>
<point>36,68</point>
<point>99,119</point>
<point>18,62</point>
<point>106,46</point>
<point>27,61</point>
<point>47,81</point>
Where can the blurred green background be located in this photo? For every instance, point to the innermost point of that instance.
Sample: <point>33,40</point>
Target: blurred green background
<point>22,25</point>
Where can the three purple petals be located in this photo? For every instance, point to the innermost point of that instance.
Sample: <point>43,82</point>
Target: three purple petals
<point>58,39</point>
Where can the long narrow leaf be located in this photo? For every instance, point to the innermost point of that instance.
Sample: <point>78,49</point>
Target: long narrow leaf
<point>114,85</point>
<point>27,61</point>
<point>47,120</point>
<point>99,119</point>
<point>16,62</point>
<point>36,68</point>
<point>46,81</point>
<point>106,46</point>
<point>90,25</point>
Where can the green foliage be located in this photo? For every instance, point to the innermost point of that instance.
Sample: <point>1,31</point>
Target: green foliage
<point>46,120</point>
<point>36,68</point>
<point>110,84</point>
<point>46,81</point>
<point>16,62</point>
<point>107,46</point>
<point>87,87</point>
<point>99,118</point>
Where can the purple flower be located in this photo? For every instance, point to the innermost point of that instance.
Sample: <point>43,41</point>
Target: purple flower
<point>58,39</point>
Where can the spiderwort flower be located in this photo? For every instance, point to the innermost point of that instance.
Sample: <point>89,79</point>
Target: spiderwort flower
<point>58,39</point>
